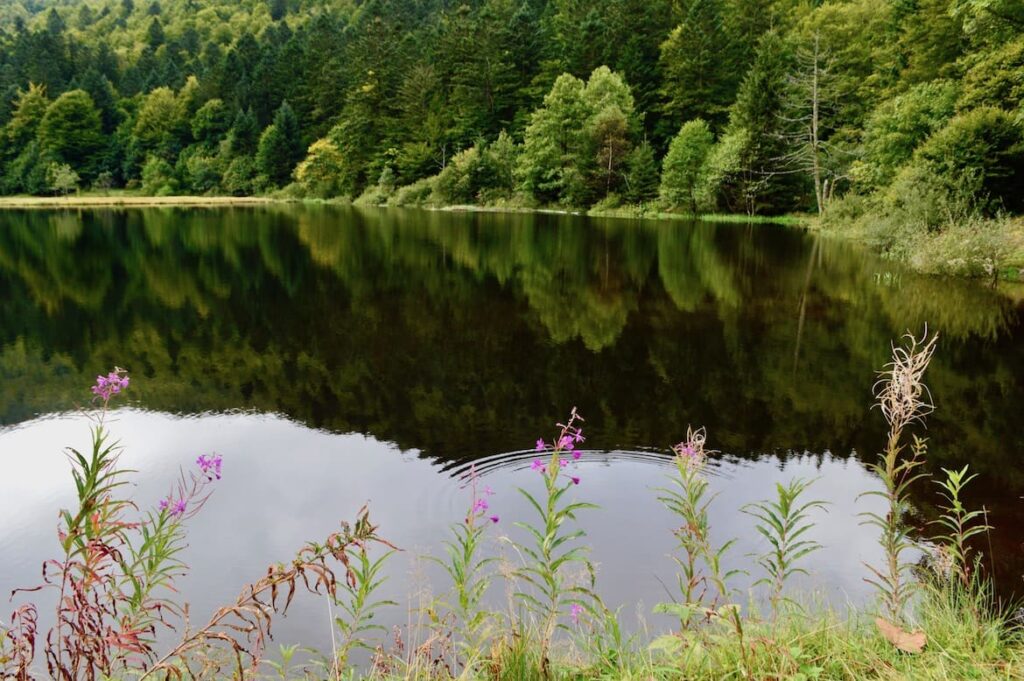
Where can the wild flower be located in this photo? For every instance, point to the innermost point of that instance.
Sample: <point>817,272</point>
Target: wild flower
<point>115,578</point>
<point>549,555</point>
<point>575,610</point>
<point>210,465</point>
<point>467,569</point>
<point>111,384</point>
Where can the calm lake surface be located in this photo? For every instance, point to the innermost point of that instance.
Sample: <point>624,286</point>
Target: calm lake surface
<point>339,356</point>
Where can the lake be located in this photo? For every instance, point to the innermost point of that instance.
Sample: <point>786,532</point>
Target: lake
<point>340,356</point>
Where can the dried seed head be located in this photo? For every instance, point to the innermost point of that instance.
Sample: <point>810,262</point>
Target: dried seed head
<point>900,391</point>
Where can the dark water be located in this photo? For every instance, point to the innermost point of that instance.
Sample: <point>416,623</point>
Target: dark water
<point>337,356</point>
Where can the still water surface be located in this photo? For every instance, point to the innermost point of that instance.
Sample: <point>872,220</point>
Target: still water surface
<point>338,356</point>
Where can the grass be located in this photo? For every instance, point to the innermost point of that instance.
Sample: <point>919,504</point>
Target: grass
<point>121,197</point>
<point>966,640</point>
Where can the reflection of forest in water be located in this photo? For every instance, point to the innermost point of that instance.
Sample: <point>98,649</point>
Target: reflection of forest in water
<point>463,335</point>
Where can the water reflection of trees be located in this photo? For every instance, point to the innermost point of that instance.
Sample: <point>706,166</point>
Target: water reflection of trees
<point>444,331</point>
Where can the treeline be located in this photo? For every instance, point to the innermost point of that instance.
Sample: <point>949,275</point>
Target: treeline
<point>756,106</point>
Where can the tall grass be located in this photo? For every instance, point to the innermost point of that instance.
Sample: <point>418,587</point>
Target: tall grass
<point>117,570</point>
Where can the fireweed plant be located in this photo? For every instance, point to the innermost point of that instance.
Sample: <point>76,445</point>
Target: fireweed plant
<point>468,570</point>
<point>551,556</point>
<point>904,400</point>
<point>783,523</point>
<point>958,526</point>
<point>114,578</point>
<point>699,561</point>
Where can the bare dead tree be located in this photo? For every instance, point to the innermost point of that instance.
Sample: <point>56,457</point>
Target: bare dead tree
<point>811,99</point>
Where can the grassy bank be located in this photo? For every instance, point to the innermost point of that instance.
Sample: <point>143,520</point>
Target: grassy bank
<point>126,199</point>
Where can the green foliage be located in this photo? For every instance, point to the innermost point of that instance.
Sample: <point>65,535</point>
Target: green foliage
<point>551,554</point>
<point>984,147</point>
<point>641,174</point>
<point>783,522</point>
<point>896,128</point>
<point>359,604</point>
<point>321,172</point>
<point>211,122</point>
<point>699,82</point>
<point>406,88</point>
<point>280,147</point>
<point>71,129</point>
<point>684,164</point>
<point>62,178</point>
<point>959,526</point>
<point>158,177</point>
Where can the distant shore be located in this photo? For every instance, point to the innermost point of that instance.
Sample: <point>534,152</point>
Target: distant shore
<point>130,200</point>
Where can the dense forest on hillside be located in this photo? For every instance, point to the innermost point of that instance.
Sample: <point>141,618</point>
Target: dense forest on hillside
<point>901,107</point>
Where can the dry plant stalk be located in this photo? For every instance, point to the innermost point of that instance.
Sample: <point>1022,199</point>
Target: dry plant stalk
<point>245,625</point>
<point>904,399</point>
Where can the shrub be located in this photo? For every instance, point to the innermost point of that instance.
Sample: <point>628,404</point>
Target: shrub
<point>416,194</point>
<point>158,177</point>
<point>984,146</point>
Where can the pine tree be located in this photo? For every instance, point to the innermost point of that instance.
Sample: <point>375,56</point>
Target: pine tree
<point>641,174</point>
<point>280,147</point>
<point>699,80</point>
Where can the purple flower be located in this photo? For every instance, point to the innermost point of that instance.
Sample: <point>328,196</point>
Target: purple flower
<point>565,442</point>
<point>210,465</point>
<point>537,465</point>
<point>576,456</point>
<point>575,610</point>
<point>563,462</point>
<point>575,480</point>
<point>540,445</point>
<point>494,519</point>
<point>480,506</point>
<point>176,508</point>
<point>578,436</point>
<point>110,385</point>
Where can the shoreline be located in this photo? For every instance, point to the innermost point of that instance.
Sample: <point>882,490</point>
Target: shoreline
<point>130,201</point>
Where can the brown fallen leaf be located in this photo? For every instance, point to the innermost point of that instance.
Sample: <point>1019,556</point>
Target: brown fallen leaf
<point>908,642</point>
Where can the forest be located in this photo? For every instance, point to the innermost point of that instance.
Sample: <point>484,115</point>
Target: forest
<point>895,118</point>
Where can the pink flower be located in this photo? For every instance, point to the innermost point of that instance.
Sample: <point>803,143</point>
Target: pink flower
<point>540,445</point>
<point>110,385</point>
<point>537,465</point>
<point>494,519</point>
<point>480,506</point>
<point>574,612</point>
<point>563,462</point>
<point>488,491</point>
<point>575,480</point>
<point>576,456</point>
<point>210,465</point>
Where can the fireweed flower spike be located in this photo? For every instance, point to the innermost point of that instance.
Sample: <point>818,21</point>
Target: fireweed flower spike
<point>210,465</point>
<point>111,384</point>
